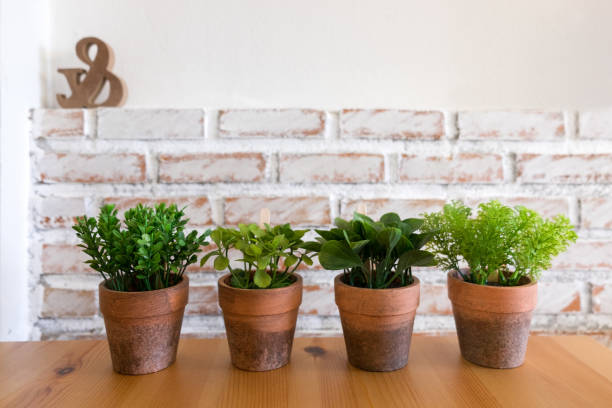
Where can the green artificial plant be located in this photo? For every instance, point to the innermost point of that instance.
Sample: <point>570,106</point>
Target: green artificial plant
<point>151,252</point>
<point>500,244</point>
<point>268,256</point>
<point>374,254</point>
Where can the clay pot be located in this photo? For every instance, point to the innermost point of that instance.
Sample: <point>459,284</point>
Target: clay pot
<point>377,324</point>
<point>143,328</point>
<point>492,321</point>
<point>260,323</point>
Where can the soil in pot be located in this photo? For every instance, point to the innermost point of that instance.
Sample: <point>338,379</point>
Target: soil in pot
<point>260,323</point>
<point>377,324</point>
<point>492,321</point>
<point>143,328</point>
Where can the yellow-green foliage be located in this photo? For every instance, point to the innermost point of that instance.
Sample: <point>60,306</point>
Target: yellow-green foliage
<point>502,242</point>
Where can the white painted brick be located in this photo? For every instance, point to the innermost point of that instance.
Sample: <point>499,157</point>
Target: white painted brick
<point>558,298</point>
<point>392,124</point>
<point>91,168</point>
<point>212,168</point>
<point>203,300</point>
<point>434,300</point>
<point>595,124</point>
<point>150,123</point>
<point>293,210</point>
<point>58,212</point>
<point>404,208</point>
<point>586,255</point>
<point>563,168</point>
<point>197,209</point>
<point>511,125</point>
<point>331,168</point>
<point>57,123</point>
<point>63,258</point>
<point>602,298</point>
<point>271,123</point>
<point>319,300</point>
<point>596,212</point>
<point>459,168</point>
<point>68,303</point>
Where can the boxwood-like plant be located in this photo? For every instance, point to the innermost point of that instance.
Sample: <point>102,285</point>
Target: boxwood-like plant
<point>500,244</point>
<point>374,254</point>
<point>268,255</point>
<point>151,252</point>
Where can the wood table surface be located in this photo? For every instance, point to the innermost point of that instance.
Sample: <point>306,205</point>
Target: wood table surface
<point>559,371</point>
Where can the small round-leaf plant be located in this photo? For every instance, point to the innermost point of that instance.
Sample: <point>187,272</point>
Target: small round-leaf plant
<point>500,245</point>
<point>268,256</point>
<point>151,252</point>
<point>374,254</point>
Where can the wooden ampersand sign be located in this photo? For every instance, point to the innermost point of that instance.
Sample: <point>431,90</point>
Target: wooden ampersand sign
<point>87,85</point>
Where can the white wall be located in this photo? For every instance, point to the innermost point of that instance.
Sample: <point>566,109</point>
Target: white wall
<point>390,53</point>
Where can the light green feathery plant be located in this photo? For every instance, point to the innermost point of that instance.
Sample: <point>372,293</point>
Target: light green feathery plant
<point>151,252</point>
<point>500,244</point>
<point>268,256</point>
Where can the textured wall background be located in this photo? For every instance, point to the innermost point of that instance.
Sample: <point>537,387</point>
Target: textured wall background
<point>309,166</point>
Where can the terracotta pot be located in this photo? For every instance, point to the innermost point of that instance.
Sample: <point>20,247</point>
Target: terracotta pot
<point>377,324</point>
<point>260,323</point>
<point>492,321</point>
<point>143,328</point>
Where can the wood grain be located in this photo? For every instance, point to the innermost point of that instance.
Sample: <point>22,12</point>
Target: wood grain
<point>561,371</point>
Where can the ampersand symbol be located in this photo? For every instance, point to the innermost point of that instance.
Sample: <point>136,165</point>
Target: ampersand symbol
<point>87,85</point>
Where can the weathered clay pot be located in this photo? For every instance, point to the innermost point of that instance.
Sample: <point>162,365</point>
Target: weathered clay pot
<point>260,323</point>
<point>492,321</point>
<point>143,328</point>
<point>377,324</point>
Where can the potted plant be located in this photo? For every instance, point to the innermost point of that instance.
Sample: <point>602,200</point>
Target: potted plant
<point>376,293</point>
<point>260,296</point>
<point>144,292</point>
<point>505,250</point>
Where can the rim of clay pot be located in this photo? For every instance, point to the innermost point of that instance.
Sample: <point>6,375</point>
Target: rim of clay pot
<point>494,299</point>
<point>377,302</point>
<point>143,304</point>
<point>261,302</point>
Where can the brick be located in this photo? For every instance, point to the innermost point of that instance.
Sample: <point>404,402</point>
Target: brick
<point>460,168</point>
<point>585,255</point>
<point>271,123</point>
<point>318,300</point>
<point>197,208</point>
<point>212,168</point>
<point>58,212</point>
<point>64,259</point>
<point>510,125</point>
<point>596,212</point>
<point>294,210</point>
<point>331,168</point>
<point>391,124</point>
<point>558,298</point>
<point>203,300</point>
<point>595,124</point>
<point>375,208</point>
<point>602,298</point>
<point>434,300</point>
<point>153,124</point>
<point>68,303</point>
<point>91,168</point>
<point>563,168</point>
<point>57,123</point>
<point>546,207</point>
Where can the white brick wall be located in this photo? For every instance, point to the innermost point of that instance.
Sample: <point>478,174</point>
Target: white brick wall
<point>309,166</point>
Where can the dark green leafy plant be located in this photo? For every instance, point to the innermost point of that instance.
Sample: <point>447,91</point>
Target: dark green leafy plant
<point>374,254</point>
<point>269,255</point>
<point>501,244</point>
<point>151,252</point>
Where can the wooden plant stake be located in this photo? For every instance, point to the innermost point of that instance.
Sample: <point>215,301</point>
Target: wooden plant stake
<point>264,217</point>
<point>87,85</point>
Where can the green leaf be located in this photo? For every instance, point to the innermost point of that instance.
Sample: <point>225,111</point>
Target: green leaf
<point>336,255</point>
<point>409,225</point>
<point>415,257</point>
<point>389,237</point>
<point>310,246</point>
<point>343,224</point>
<point>291,260</point>
<point>390,219</point>
<point>358,245</point>
<point>206,257</point>
<point>262,279</point>
<point>221,263</point>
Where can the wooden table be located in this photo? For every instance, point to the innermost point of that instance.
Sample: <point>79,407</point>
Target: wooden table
<point>559,371</point>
